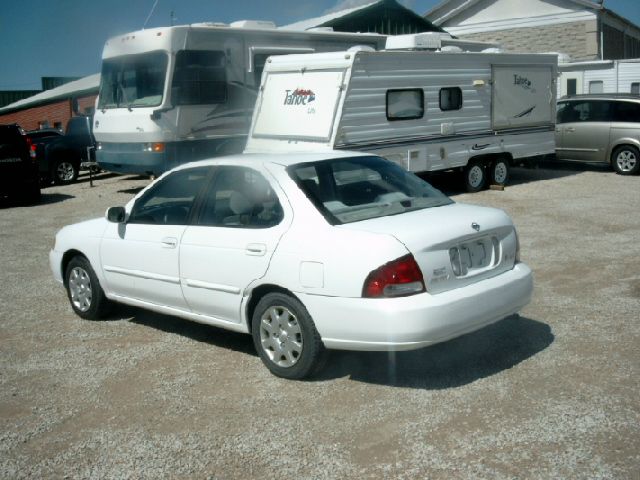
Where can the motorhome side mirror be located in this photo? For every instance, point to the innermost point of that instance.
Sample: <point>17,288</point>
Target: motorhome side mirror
<point>116,214</point>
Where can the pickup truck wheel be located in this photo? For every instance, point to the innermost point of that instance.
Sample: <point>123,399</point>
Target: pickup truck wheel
<point>475,176</point>
<point>84,291</point>
<point>499,172</point>
<point>64,172</point>
<point>626,160</point>
<point>285,337</point>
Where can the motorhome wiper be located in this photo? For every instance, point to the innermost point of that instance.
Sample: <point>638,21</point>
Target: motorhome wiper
<point>124,95</point>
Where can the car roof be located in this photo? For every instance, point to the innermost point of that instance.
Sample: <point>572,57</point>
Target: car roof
<point>284,159</point>
<point>602,96</point>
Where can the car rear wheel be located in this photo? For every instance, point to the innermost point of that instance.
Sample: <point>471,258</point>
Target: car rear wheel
<point>499,172</point>
<point>285,337</point>
<point>84,291</point>
<point>626,160</point>
<point>64,172</point>
<point>475,176</point>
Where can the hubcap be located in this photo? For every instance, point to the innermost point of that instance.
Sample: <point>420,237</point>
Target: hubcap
<point>80,289</point>
<point>280,336</point>
<point>476,176</point>
<point>500,173</point>
<point>65,171</point>
<point>626,160</point>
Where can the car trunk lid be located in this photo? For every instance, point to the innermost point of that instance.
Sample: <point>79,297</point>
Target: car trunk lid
<point>454,245</point>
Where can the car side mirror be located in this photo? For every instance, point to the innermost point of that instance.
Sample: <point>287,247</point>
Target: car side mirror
<point>116,214</point>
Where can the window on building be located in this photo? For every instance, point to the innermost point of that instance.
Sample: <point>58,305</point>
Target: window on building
<point>199,78</point>
<point>450,98</point>
<point>405,104</point>
<point>572,86</point>
<point>43,124</point>
<point>57,125</point>
<point>596,86</point>
<point>635,88</point>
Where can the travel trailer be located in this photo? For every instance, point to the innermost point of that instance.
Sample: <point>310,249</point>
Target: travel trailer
<point>600,76</point>
<point>427,110</point>
<point>174,94</point>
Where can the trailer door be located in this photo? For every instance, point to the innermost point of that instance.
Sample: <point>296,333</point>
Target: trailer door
<point>298,105</point>
<point>522,96</point>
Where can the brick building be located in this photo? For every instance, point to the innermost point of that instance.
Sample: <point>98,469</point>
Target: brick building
<point>582,29</point>
<point>53,108</point>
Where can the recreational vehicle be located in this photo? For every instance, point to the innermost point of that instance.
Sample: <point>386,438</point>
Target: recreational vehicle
<point>600,76</point>
<point>426,110</point>
<point>175,94</point>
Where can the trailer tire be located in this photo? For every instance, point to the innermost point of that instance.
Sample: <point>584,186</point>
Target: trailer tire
<point>499,171</point>
<point>475,176</point>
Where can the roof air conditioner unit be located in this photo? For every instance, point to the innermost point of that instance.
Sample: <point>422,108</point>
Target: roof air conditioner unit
<point>253,24</point>
<point>416,41</point>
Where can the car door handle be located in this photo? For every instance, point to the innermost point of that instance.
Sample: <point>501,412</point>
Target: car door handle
<point>257,249</point>
<point>169,242</point>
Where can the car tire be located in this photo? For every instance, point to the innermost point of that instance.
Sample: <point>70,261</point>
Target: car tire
<point>475,177</point>
<point>626,160</point>
<point>64,172</point>
<point>286,338</point>
<point>499,171</point>
<point>84,291</point>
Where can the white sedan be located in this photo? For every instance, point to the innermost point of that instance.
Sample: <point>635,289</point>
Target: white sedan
<point>304,252</point>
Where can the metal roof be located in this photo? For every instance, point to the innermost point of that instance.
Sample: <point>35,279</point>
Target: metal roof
<point>85,85</point>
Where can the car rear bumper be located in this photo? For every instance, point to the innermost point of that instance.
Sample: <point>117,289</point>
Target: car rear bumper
<point>417,321</point>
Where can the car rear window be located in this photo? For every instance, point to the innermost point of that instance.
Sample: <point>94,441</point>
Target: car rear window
<point>347,190</point>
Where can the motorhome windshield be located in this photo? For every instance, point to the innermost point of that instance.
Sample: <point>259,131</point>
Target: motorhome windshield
<point>133,81</point>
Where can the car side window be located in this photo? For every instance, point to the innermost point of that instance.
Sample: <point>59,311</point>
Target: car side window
<point>170,201</point>
<point>585,111</point>
<point>626,112</point>
<point>240,197</point>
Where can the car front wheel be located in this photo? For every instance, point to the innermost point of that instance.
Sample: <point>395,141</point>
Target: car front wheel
<point>626,160</point>
<point>64,172</point>
<point>84,291</point>
<point>285,337</point>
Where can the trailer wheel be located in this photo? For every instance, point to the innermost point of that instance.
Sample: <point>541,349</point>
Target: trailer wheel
<point>499,171</point>
<point>475,176</point>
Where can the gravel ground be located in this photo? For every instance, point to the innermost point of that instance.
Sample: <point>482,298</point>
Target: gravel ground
<point>551,393</point>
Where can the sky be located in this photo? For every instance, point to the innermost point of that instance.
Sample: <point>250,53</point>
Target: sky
<point>48,38</point>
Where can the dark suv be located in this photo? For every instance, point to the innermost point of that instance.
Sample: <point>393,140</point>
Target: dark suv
<point>600,128</point>
<point>19,177</point>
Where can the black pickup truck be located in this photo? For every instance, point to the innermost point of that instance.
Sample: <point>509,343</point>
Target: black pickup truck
<point>61,156</point>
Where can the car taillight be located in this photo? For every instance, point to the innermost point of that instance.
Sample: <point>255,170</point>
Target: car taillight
<point>32,147</point>
<point>398,278</point>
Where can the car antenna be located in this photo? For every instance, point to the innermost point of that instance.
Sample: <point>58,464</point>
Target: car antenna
<point>150,13</point>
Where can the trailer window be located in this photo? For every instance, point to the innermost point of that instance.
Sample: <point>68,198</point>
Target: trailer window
<point>199,78</point>
<point>405,104</point>
<point>450,98</point>
<point>133,81</point>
